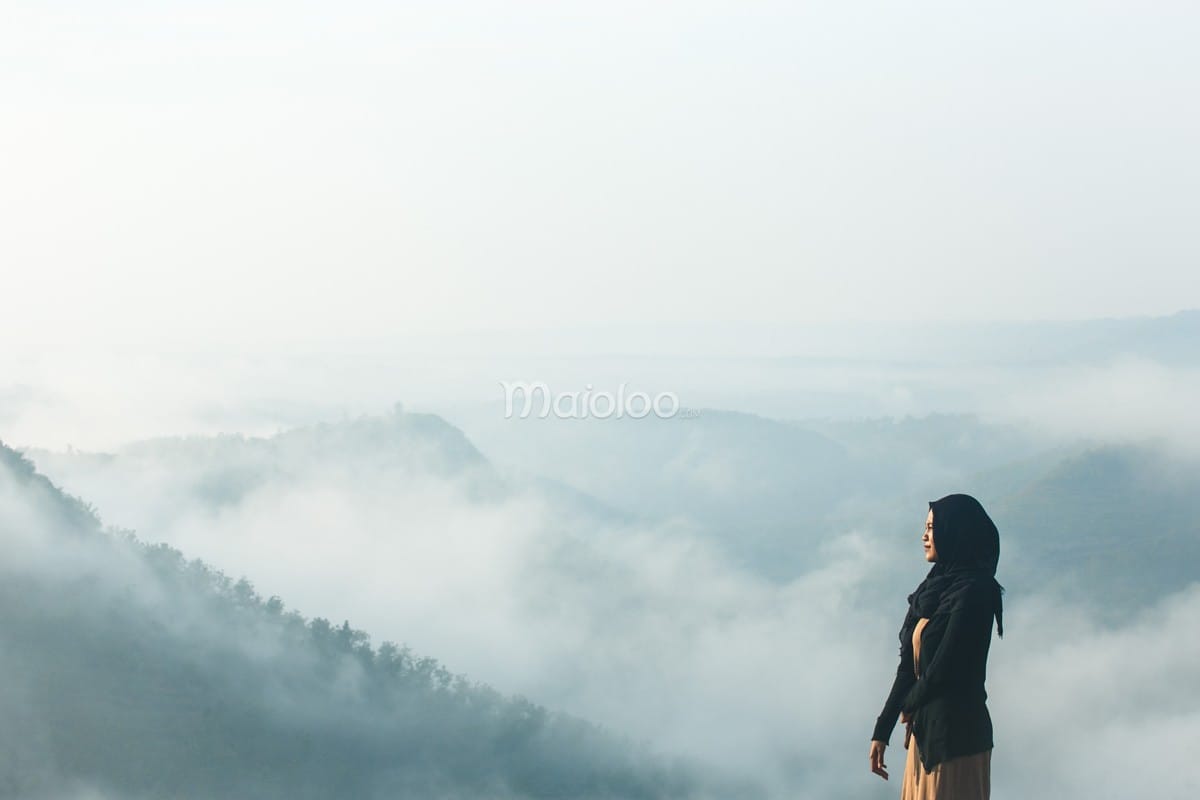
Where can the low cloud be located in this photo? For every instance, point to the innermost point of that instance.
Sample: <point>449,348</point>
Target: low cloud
<point>648,629</point>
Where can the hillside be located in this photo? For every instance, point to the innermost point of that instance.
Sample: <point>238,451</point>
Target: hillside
<point>1115,525</point>
<point>131,671</point>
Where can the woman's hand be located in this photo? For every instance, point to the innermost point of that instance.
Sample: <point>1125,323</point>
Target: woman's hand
<point>905,717</point>
<point>877,765</point>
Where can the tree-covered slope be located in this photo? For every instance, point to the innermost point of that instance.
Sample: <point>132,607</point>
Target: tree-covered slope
<point>129,671</point>
<point>1115,525</point>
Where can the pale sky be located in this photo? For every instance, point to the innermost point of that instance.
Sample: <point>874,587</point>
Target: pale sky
<point>234,172</point>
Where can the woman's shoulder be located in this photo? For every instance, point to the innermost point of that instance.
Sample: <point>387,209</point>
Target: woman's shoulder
<point>976,593</point>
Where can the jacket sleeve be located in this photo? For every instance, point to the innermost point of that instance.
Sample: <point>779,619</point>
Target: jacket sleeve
<point>949,658</point>
<point>905,678</point>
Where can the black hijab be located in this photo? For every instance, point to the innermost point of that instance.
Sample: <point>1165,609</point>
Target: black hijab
<point>968,549</point>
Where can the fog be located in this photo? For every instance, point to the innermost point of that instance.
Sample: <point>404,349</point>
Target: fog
<point>727,585</point>
<point>658,624</point>
<point>1111,380</point>
<point>268,266</point>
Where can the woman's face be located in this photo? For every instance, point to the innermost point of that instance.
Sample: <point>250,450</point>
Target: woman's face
<point>927,538</point>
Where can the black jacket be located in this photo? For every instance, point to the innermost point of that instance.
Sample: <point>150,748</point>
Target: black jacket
<point>948,701</point>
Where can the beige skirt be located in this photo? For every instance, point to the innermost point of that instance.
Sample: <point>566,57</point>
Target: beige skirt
<point>962,778</point>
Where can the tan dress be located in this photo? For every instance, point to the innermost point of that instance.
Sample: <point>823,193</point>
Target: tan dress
<point>962,778</point>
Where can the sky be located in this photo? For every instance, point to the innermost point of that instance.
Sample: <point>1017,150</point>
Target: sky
<point>368,177</point>
<point>267,174</point>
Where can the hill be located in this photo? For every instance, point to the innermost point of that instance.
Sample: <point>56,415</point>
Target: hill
<point>131,671</point>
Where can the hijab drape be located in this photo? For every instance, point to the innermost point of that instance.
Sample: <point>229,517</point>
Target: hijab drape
<point>968,550</point>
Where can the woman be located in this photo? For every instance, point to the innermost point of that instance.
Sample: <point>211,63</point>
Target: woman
<point>944,641</point>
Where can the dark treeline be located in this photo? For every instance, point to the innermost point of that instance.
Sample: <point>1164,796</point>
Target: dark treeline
<point>134,672</point>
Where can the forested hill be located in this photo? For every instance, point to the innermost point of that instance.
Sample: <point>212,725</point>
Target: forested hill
<point>1116,526</point>
<point>128,671</point>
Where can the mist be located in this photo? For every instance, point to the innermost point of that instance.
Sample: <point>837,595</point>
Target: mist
<point>766,656</point>
<point>268,530</point>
